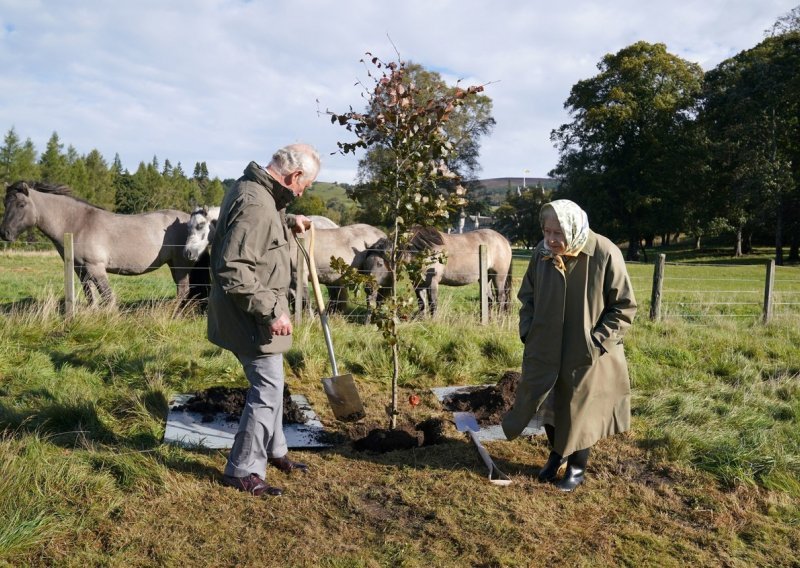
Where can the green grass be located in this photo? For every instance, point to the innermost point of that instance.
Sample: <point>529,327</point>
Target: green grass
<point>709,474</point>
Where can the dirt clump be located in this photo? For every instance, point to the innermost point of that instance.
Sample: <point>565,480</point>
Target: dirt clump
<point>487,403</point>
<point>381,441</point>
<point>432,431</point>
<point>405,437</point>
<point>230,401</point>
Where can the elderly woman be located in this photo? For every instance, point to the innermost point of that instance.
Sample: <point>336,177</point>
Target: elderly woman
<point>577,304</point>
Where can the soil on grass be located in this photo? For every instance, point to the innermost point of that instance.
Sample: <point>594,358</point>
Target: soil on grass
<point>405,437</point>
<point>230,401</point>
<point>487,403</point>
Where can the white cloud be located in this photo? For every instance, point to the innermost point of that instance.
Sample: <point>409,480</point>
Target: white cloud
<point>227,82</point>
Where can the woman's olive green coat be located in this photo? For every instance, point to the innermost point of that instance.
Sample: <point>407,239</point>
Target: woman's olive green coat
<point>572,326</point>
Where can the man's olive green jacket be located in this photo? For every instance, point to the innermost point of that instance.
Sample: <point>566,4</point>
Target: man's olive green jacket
<point>250,266</point>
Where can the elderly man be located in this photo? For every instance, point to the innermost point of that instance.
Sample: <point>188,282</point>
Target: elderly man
<point>248,311</point>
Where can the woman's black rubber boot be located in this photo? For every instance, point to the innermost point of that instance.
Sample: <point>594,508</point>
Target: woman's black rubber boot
<point>550,469</point>
<point>576,470</point>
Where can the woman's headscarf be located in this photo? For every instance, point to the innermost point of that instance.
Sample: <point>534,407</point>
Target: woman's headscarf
<point>574,224</point>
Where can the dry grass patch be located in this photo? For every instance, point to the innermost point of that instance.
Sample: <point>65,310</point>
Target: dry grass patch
<point>433,507</point>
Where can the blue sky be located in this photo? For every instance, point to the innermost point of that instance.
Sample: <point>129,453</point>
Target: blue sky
<point>226,81</point>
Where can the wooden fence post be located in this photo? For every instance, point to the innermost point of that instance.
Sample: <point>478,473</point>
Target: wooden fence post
<point>483,283</point>
<point>300,282</point>
<point>768,287</point>
<point>658,287</point>
<point>69,276</point>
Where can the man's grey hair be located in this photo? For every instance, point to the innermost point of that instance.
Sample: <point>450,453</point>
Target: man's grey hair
<point>296,157</point>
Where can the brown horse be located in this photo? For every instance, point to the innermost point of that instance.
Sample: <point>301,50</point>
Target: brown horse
<point>460,267</point>
<point>104,242</point>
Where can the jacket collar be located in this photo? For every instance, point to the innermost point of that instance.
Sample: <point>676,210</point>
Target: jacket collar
<point>281,195</point>
<point>591,243</point>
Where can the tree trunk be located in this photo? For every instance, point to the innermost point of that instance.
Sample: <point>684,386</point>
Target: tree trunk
<point>737,249</point>
<point>779,236</point>
<point>697,242</point>
<point>747,242</point>
<point>394,332</point>
<point>633,249</point>
<point>794,248</point>
<point>395,375</point>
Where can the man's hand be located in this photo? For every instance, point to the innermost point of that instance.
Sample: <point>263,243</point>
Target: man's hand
<point>301,223</point>
<point>281,326</point>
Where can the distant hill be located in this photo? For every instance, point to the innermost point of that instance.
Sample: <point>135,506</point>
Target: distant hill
<point>493,190</point>
<point>329,190</point>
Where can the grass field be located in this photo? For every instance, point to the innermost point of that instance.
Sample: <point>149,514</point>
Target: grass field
<point>708,476</point>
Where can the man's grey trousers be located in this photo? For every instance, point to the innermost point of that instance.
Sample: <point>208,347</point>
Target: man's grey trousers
<point>260,434</point>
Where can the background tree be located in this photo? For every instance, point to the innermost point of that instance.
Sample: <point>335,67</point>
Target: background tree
<point>77,176</point>
<point>308,205</point>
<point>341,211</point>
<point>518,217</point>
<point>788,23</point>
<point>141,191</point>
<point>53,162</point>
<point>752,115</point>
<point>213,192</point>
<point>620,154</point>
<point>412,183</point>
<point>465,127</point>
<point>100,187</point>
<point>17,160</point>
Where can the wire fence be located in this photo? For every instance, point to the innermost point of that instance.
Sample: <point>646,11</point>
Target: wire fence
<point>694,292</point>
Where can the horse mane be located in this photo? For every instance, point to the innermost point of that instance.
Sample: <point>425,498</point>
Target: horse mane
<point>42,186</point>
<point>381,247</point>
<point>46,187</point>
<point>426,238</point>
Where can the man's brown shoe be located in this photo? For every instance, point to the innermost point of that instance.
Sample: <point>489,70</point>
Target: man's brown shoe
<point>252,484</point>
<point>286,465</point>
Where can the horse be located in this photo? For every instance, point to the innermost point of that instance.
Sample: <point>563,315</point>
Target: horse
<point>104,242</point>
<point>460,267</point>
<point>322,222</point>
<point>351,243</point>
<point>201,226</point>
<point>202,223</point>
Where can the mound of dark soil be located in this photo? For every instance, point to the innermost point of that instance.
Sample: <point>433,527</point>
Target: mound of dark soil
<point>432,431</point>
<point>488,404</point>
<point>230,401</point>
<point>381,441</point>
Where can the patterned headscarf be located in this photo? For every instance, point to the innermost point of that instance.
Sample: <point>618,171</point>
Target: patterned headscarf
<point>574,224</point>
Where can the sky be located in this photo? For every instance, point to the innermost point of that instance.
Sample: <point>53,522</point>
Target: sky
<point>230,81</point>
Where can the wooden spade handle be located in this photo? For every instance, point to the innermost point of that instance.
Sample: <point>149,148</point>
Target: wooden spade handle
<point>312,268</point>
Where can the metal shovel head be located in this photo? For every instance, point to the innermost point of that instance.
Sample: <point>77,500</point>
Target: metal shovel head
<point>343,398</point>
<point>466,422</point>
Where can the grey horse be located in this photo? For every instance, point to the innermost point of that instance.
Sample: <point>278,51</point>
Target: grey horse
<point>461,265</point>
<point>351,243</point>
<point>104,242</point>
